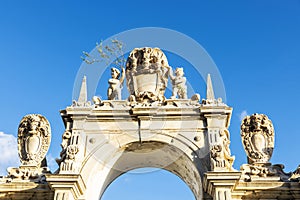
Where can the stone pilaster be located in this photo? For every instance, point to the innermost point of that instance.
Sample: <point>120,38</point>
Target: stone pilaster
<point>217,122</point>
<point>220,184</point>
<point>66,186</point>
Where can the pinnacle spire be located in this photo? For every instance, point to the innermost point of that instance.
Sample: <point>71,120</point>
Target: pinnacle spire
<point>83,91</point>
<point>209,89</point>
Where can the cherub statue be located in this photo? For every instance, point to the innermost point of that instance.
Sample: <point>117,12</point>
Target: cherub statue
<point>179,83</point>
<point>115,84</point>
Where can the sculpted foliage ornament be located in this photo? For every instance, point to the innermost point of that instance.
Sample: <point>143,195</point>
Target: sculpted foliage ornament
<point>258,138</point>
<point>34,136</point>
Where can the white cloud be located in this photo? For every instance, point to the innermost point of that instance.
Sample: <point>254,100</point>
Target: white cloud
<point>243,115</point>
<point>51,163</point>
<point>9,152</point>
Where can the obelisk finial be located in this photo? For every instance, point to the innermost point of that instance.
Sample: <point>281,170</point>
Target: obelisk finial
<point>83,91</point>
<point>209,89</point>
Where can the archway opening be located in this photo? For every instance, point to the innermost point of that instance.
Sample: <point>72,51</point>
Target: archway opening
<point>148,184</point>
<point>155,155</point>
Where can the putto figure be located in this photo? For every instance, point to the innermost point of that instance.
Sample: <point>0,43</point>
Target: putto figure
<point>179,83</point>
<point>115,84</point>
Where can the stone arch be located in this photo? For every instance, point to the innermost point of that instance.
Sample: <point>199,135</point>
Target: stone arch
<point>104,140</point>
<point>103,167</point>
<point>148,182</point>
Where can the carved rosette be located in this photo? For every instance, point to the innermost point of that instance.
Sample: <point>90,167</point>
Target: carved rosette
<point>257,134</point>
<point>147,74</point>
<point>34,137</point>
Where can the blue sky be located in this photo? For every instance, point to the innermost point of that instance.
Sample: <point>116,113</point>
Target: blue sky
<point>255,45</point>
